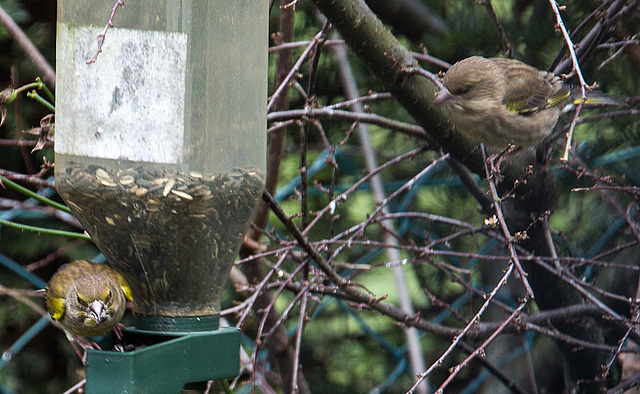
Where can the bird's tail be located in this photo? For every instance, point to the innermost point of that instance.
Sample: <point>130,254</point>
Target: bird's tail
<point>594,98</point>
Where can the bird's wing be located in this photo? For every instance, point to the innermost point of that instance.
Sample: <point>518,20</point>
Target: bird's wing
<point>122,282</point>
<point>54,297</point>
<point>529,90</point>
<point>57,288</point>
<point>56,304</point>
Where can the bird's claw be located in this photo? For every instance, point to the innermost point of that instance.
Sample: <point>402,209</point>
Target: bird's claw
<point>117,331</point>
<point>85,344</point>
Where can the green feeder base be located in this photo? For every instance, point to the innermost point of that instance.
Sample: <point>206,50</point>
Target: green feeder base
<point>164,361</point>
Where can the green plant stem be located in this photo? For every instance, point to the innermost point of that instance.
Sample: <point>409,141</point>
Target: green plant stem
<point>33,195</point>
<point>46,90</point>
<point>44,230</point>
<point>32,85</point>
<point>35,96</point>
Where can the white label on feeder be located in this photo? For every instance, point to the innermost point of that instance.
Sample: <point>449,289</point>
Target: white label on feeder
<point>129,104</point>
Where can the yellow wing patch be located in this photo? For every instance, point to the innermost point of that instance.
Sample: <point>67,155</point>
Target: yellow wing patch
<point>127,291</point>
<point>56,307</point>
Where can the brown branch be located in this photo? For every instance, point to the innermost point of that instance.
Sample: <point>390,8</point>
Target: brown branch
<point>507,48</point>
<point>344,284</point>
<point>103,35</point>
<point>480,349</point>
<point>279,347</point>
<point>497,205</point>
<point>331,114</point>
<point>48,74</point>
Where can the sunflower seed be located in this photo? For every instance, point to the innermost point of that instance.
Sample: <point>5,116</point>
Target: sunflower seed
<point>168,186</point>
<point>184,195</point>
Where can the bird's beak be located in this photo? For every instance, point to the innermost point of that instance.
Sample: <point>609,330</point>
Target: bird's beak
<point>97,309</point>
<point>442,97</point>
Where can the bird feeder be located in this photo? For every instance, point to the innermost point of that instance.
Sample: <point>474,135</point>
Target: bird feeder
<point>160,154</point>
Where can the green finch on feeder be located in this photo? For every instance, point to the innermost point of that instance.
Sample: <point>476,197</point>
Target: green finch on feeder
<point>499,101</point>
<point>87,299</point>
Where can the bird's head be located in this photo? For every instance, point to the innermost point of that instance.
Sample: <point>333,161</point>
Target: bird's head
<point>471,84</point>
<point>91,299</point>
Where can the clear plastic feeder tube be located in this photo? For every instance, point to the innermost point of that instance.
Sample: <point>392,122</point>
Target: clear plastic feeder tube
<point>160,143</point>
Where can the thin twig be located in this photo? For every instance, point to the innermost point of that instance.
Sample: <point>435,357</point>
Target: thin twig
<point>101,36</point>
<point>507,48</point>
<point>294,70</point>
<point>301,322</point>
<point>76,386</point>
<point>300,44</point>
<point>415,355</point>
<point>466,329</point>
<point>480,350</point>
<point>434,78</point>
<point>623,45</point>
<point>576,69</point>
<point>430,59</point>
<point>505,229</point>
<point>329,113</point>
<point>360,99</point>
<point>548,237</point>
<point>345,195</point>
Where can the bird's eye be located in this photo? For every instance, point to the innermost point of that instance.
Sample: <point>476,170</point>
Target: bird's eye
<point>463,90</point>
<point>109,295</point>
<point>81,301</point>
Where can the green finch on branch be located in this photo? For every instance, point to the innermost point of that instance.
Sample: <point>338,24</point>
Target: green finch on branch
<point>499,101</point>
